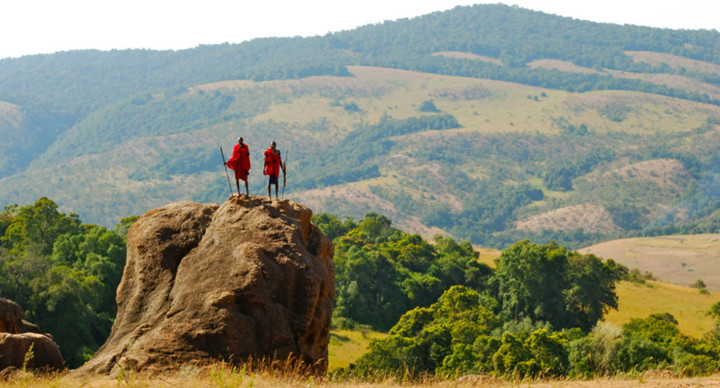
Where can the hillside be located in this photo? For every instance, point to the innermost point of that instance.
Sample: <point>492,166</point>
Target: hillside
<point>687,305</point>
<point>676,259</point>
<point>489,123</point>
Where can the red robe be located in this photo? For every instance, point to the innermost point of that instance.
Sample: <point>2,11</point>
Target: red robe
<point>240,161</point>
<point>272,163</point>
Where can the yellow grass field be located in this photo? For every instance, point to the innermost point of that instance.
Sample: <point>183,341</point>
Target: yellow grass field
<point>346,346</point>
<point>687,305</point>
<point>677,259</point>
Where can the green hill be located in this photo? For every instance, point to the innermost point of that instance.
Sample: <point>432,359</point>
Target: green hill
<point>489,123</point>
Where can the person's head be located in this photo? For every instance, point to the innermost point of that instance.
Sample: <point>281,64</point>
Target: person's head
<point>240,140</point>
<point>273,145</point>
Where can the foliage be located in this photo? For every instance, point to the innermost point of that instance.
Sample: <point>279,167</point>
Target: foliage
<point>63,274</point>
<point>550,283</point>
<point>536,316</point>
<point>431,340</point>
<point>355,158</point>
<point>382,272</point>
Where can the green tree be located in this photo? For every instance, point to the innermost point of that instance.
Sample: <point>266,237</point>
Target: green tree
<point>332,226</point>
<point>591,292</point>
<point>369,291</point>
<point>531,281</point>
<point>435,339</point>
<point>550,283</point>
<point>428,106</point>
<point>64,275</point>
<point>37,227</point>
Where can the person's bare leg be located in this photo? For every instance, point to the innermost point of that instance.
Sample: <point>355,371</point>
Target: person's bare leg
<point>247,191</point>
<point>269,191</point>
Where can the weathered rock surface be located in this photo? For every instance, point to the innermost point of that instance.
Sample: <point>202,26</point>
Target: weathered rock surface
<point>18,337</point>
<point>11,319</point>
<point>15,352</point>
<point>248,279</point>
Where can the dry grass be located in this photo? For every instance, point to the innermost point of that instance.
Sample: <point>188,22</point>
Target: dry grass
<point>671,80</point>
<point>346,346</point>
<point>678,259</point>
<point>665,173</point>
<point>10,116</point>
<point>591,218</point>
<point>462,55</point>
<point>687,305</point>
<point>223,375</point>
<point>675,62</point>
<point>555,64</point>
<point>488,255</point>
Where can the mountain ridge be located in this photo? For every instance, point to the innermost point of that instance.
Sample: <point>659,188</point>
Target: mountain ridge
<point>377,112</point>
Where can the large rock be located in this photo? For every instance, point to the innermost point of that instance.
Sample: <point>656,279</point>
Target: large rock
<point>11,319</point>
<point>249,279</point>
<point>22,345</point>
<point>29,350</point>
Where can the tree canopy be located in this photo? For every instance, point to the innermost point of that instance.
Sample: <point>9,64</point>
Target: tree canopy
<point>63,273</point>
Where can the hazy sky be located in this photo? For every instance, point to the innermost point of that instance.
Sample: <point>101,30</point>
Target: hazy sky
<point>46,26</point>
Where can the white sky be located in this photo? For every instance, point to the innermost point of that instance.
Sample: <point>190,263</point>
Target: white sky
<point>46,26</point>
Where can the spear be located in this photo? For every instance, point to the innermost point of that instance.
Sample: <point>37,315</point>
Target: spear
<point>222,154</point>
<point>285,173</point>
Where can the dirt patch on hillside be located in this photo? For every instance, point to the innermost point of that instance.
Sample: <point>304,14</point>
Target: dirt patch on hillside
<point>672,81</point>
<point>665,173</point>
<point>601,99</point>
<point>432,172</point>
<point>674,61</point>
<point>462,55</point>
<point>10,116</point>
<point>554,64</point>
<point>590,218</point>
<point>357,202</point>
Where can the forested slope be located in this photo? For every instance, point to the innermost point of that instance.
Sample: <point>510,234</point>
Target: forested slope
<point>491,123</point>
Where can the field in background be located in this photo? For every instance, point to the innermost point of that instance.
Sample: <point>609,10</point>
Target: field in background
<point>676,259</point>
<point>346,346</point>
<point>687,305</point>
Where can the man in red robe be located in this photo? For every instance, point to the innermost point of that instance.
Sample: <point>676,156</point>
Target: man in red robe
<point>240,163</point>
<point>273,165</point>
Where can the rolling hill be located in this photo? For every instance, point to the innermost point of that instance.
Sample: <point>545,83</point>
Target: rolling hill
<point>676,259</point>
<point>489,123</point>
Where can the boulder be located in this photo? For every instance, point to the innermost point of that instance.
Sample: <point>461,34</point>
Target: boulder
<point>29,350</point>
<point>11,319</point>
<point>250,279</point>
<point>22,345</point>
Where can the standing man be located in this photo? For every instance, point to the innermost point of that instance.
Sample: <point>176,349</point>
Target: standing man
<point>240,162</point>
<point>273,165</point>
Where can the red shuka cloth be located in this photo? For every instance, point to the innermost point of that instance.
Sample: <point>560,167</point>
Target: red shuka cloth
<point>272,162</point>
<point>240,161</point>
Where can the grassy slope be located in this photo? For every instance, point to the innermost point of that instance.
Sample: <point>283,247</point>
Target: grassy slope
<point>304,114</point>
<point>677,259</point>
<point>346,346</point>
<point>687,305</point>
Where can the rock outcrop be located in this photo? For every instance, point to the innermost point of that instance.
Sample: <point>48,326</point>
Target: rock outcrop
<point>11,321</point>
<point>202,282</point>
<point>22,345</point>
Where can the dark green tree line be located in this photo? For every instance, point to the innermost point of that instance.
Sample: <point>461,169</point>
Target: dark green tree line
<point>63,273</point>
